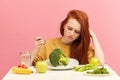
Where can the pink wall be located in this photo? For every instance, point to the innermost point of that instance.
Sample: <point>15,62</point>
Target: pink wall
<point>22,20</point>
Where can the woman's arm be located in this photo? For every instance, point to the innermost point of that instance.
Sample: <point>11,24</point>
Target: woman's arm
<point>97,48</point>
<point>38,42</point>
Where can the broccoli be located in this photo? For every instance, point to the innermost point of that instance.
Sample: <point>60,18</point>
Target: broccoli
<point>57,57</point>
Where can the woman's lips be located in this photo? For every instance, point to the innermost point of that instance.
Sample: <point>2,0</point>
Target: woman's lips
<point>70,37</point>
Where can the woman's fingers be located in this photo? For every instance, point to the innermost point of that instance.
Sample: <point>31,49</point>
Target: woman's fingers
<point>39,41</point>
<point>38,38</point>
<point>91,33</point>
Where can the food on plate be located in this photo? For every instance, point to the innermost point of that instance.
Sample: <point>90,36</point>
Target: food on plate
<point>81,68</point>
<point>101,70</point>
<point>18,70</point>
<point>41,66</point>
<point>72,62</point>
<point>57,57</point>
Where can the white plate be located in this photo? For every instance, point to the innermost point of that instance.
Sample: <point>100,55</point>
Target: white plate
<point>72,62</point>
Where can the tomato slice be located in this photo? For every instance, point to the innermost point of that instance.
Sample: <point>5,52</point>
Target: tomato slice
<point>22,66</point>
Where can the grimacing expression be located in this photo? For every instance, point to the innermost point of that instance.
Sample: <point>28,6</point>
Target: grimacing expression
<point>71,30</point>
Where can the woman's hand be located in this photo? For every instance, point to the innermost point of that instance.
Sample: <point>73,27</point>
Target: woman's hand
<point>92,34</point>
<point>38,42</point>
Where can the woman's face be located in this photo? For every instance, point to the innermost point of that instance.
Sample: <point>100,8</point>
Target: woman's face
<point>71,30</point>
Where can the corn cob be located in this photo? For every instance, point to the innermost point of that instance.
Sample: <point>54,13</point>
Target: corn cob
<point>17,70</point>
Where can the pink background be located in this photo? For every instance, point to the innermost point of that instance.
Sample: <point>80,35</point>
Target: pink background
<point>22,20</point>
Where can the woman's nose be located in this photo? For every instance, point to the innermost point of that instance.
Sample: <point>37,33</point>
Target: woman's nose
<point>72,33</point>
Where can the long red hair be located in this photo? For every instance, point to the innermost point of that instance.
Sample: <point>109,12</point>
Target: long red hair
<point>79,48</point>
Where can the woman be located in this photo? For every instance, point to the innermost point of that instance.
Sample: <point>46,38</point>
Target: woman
<point>75,40</point>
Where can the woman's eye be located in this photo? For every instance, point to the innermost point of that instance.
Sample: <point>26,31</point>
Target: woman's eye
<point>78,32</point>
<point>69,28</point>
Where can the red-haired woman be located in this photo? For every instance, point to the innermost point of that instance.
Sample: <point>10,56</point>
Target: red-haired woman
<point>75,41</point>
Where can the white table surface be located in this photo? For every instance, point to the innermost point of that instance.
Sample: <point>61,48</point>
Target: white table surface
<point>60,75</point>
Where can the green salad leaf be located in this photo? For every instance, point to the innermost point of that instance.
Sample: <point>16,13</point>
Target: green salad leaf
<point>82,68</point>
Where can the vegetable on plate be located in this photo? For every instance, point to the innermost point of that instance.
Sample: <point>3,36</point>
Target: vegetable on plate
<point>57,58</point>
